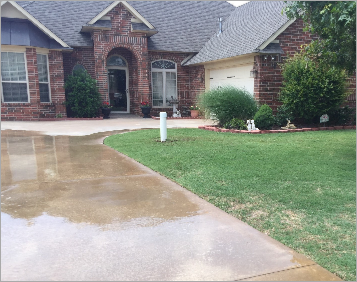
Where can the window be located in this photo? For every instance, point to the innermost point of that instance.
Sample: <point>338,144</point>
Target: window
<point>78,67</point>
<point>164,83</point>
<point>14,77</point>
<point>42,67</point>
<point>116,61</point>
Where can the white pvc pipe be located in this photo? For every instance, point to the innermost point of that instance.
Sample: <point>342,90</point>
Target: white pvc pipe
<point>163,126</point>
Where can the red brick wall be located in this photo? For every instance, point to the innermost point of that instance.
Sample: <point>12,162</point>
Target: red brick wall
<point>120,36</point>
<point>35,109</point>
<point>58,96</point>
<point>267,84</point>
<point>80,55</point>
<point>133,47</point>
<point>190,80</point>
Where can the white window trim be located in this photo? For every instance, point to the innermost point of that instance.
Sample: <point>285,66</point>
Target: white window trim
<point>163,71</point>
<point>27,81</point>
<point>48,78</point>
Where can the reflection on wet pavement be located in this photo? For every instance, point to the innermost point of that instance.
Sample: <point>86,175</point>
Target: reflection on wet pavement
<point>74,209</point>
<point>93,184</point>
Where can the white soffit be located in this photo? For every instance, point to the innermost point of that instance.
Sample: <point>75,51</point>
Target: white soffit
<point>134,12</point>
<point>36,23</point>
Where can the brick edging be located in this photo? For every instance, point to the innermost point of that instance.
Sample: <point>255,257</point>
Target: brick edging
<point>218,129</point>
<point>57,119</point>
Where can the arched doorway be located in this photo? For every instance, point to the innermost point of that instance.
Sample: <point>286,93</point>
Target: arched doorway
<point>118,84</point>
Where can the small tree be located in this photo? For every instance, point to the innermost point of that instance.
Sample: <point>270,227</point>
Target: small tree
<point>82,95</point>
<point>227,103</point>
<point>311,88</point>
<point>335,24</point>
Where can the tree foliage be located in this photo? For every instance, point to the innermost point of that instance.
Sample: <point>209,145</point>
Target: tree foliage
<point>82,95</point>
<point>335,24</point>
<point>311,88</point>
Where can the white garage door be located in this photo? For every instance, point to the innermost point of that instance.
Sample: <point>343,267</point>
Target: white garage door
<point>237,77</point>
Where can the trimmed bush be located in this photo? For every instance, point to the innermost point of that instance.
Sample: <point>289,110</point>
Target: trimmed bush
<point>264,118</point>
<point>227,103</point>
<point>82,95</point>
<point>342,116</point>
<point>236,124</point>
<point>282,115</point>
<point>310,88</point>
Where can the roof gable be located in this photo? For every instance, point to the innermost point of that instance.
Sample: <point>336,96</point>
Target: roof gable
<point>250,28</point>
<point>131,10</point>
<point>181,26</point>
<point>27,15</point>
<point>9,11</point>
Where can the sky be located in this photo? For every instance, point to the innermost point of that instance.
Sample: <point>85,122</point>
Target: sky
<point>237,3</point>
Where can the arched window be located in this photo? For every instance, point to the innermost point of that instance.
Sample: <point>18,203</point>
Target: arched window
<point>78,67</point>
<point>164,83</point>
<point>116,61</point>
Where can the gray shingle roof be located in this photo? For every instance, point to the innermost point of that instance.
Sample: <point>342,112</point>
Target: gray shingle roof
<point>140,26</point>
<point>101,23</point>
<point>24,3</point>
<point>182,25</point>
<point>66,18</point>
<point>272,48</point>
<point>248,27</point>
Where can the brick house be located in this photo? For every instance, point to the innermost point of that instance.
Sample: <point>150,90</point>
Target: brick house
<point>141,51</point>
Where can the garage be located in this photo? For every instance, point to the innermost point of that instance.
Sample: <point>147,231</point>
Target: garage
<point>235,76</point>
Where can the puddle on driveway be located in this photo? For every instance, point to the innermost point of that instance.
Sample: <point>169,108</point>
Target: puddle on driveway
<point>80,179</point>
<point>74,209</point>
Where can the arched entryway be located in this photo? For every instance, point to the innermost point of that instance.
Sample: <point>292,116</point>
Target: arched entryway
<point>122,77</point>
<point>118,84</point>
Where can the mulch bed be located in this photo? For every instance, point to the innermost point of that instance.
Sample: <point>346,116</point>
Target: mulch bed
<point>303,129</point>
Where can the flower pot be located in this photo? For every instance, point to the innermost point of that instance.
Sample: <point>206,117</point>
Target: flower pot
<point>194,113</point>
<point>146,111</point>
<point>106,112</point>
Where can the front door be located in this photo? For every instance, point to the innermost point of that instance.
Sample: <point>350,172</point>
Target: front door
<point>118,93</point>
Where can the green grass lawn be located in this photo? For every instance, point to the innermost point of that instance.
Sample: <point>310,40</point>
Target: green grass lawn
<point>299,188</point>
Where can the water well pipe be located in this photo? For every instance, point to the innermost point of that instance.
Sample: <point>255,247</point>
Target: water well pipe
<point>163,126</point>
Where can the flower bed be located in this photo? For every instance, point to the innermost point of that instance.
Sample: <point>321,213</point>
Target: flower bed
<point>158,118</point>
<point>218,129</point>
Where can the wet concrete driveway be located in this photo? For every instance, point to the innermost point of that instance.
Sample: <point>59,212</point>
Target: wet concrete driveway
<point>74,209</point>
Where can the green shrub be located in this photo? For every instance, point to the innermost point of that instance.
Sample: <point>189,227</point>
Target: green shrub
<point>282,115</point>
<point>82,95</point>
<point>236,123</point>
<point>342,116</point>
<point>264,118</point>
<point>310,88</point>
<point>227,103</point>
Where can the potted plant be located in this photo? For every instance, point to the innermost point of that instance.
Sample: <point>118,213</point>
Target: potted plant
<point>145,109</point>
<point>106,109</point>
<point>194,111</point>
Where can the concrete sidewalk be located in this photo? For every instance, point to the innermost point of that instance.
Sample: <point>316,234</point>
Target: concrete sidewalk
<point>74,209</point>
<point>86,127</point>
